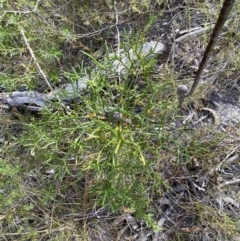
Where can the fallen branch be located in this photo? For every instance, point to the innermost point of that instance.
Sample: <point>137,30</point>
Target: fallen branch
<point>113,65</point>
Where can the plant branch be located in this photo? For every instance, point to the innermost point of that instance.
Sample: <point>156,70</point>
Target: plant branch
<point>118,37</point>
<point>35,59</point>
<point>224,13</point>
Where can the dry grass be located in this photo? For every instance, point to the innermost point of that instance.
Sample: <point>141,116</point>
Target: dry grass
<point>47,176</point>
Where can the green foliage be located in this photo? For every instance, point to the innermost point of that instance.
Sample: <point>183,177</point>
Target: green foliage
<point>11,192</point>
<point>119,155</point>
<point>110,146</point>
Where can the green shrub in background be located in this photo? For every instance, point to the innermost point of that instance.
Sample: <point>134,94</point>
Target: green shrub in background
<point>11,192</point>
<point>55,33</point>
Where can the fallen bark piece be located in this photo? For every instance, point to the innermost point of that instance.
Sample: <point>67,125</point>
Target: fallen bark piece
<point>115,64</point>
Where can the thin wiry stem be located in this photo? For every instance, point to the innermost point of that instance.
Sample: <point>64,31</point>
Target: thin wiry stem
<point>224,13</point>
<point>34,58</point>
<point>118,36</point>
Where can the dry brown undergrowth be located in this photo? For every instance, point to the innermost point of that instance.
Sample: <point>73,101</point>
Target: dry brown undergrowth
<point>204,211</point>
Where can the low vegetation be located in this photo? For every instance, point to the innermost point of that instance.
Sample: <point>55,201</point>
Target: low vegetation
<point>111,164</point>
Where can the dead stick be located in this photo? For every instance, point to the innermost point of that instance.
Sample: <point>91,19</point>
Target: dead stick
<point>224,13</point>
<point>35,59</point>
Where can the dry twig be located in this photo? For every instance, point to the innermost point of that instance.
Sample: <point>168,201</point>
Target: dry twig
<point>226,159</point>
<point>194,33</point>
<point>234,181</point>
<point>34,58</point>
<point>224,13</point>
